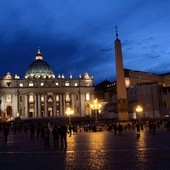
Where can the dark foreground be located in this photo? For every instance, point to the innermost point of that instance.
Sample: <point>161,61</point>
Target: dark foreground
<point>88,151</point>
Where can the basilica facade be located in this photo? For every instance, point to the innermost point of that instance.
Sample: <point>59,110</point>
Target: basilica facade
<point>41,94</point>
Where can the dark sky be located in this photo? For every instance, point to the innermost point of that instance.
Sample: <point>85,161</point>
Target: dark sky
<point>77,36</point>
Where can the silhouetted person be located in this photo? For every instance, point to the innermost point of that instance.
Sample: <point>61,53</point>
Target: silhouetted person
<point>47,136</point>
<point>63,135</point>
<point>55,134</point>
<point>38,130</point>
<point>6,133</point>
<point>70,129</point>
<point>120,128</point>
<point>115,128</point>
<point>168,125</point>
<point>32,130</point>
<point>138,130</point>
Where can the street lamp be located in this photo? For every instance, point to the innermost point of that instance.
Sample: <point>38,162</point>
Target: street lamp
<point>139,109</point>
<point>69,112</point>
<point>96,106</point>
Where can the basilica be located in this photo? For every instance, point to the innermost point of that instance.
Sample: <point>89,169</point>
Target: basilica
<point>41,94</point>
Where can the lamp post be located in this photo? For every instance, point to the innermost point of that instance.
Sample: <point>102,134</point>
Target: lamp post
<point>139,109</point>
<point>69,112</point>
<point>96,106</point>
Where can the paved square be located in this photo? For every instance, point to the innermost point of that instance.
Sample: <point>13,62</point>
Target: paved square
<point>88,151</point>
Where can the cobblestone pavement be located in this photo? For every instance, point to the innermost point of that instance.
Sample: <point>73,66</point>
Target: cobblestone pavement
<point>88,151</point>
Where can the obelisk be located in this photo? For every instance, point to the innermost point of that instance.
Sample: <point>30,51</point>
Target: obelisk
<point>122,105</point>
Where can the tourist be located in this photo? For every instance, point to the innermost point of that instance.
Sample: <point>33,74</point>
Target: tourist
<point>6,132</point>
<point>47,136</point>
<point>55,134</point>
<point>63,135</point>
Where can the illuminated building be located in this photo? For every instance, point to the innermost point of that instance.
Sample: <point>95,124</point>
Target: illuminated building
<point>41,94</point>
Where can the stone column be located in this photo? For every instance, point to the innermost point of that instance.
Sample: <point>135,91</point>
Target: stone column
<point>39,105</point>
<point>45,105</point>
<point>36,106</point>
<point>61,104</point>
<point>72,101</point>
<point>26,105</point>
<point>64,103</point>
<point>80,111</point>
<point>82,104</point>
<point>54,105</point>
<point>18,101</point>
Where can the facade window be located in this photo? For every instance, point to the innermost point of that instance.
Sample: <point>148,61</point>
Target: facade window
<point>57,84</point>
<point>8,84</point>
<point>67,97</point>
<point>21,85</point>
<point>8,98</point>
<point>42,84</point>
<point>57,98</point>
<point>42,98</point>
<point>87,96</point>
<point>75,84</point>
<point>67,84</point>
<point>31,98</point>
<point>31,84</point>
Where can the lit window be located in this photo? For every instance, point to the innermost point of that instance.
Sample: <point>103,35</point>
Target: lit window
<point>67,97</point>
<point>31,98</point>
<point>42,84</point>
<point>42,98</point>
<point>67,84</point>
<point>8,98</point>
<point>75,84</point>
<point>87,96</point>
<point>31,84</point>
<point>57,84</point>
<point>21,85</point>
<point>57,98</point>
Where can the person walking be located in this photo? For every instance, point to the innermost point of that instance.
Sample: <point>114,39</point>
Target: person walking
<point>47,136</point>
<point>55,134</point>
<point>138,130</point>
<point>63,135</point>
<point>32,130</point>
<point>6,132</point>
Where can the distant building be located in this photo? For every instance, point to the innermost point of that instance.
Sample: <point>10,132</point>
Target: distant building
<point>41,94</point>
<point>151,91</point>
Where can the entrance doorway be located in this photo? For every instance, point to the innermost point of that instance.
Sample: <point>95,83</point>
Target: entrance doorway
<point>9,112</point>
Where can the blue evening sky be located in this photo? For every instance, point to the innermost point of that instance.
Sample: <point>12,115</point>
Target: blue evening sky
<point>77,36</point>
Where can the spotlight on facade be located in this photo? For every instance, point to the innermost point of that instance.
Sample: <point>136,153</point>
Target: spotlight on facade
<point>96,108</point>
<point>69,112</point>
<point>139,110</point>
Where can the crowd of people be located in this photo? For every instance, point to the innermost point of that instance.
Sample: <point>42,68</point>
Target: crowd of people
<point>58,131</point>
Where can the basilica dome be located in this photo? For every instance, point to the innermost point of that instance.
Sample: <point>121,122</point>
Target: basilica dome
<point>39,68</point>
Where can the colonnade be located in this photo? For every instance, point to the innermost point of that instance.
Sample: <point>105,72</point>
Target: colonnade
<point>43,106</point>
